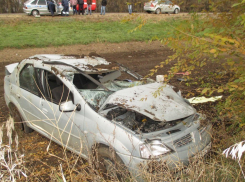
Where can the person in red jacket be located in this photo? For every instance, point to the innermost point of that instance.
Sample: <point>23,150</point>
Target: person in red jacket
<point>89,6</point>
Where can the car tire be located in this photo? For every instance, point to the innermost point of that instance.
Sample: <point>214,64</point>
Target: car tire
<point>18,119</point>
<point>176,11</point>
<point>110,164</point>
<point>158,11</point>
<point>35,12</point>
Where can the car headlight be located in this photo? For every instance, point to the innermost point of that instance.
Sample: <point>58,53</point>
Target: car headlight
<point>153,149</point>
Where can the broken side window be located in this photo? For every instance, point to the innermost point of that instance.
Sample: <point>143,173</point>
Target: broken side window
<point>54,89</point>
<point>27,79</point>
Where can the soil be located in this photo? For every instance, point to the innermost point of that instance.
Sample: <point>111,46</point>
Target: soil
<point>94,17</point>
<point>141,57</point>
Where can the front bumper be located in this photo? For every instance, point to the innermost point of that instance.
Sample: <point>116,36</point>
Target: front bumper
<point>172,162</point>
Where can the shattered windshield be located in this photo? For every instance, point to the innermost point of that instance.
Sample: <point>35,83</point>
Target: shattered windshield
<point>93,93</point>
<point>95,87</point>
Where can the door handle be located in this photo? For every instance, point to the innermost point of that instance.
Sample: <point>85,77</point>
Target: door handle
<point>18,95</point>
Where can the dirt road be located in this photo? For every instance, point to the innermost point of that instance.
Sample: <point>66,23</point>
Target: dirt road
<point>96,16</point>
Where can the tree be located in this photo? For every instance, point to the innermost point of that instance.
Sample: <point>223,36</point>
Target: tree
<point>216,36</point>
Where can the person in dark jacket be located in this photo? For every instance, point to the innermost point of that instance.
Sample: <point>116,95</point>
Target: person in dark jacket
<point>51,7</point>
<point>89,6</point>
<point>103,5</point>
<point>65,5</point>
<point>80,6</point>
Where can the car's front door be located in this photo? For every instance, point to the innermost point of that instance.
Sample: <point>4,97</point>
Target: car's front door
<point>64,127</point>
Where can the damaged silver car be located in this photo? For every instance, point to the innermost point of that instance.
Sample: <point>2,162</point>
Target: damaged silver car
<point>88,104</point>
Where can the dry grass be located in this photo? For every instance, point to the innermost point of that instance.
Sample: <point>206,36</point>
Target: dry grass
<point>214,167</point>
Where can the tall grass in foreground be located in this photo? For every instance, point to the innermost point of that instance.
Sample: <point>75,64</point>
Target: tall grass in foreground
<point>63,32</point>
<point>11,161</point>
<point>214,167</point>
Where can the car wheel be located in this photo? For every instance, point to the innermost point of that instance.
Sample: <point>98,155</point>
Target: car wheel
<point>176,11</point>
<point>18,120</point>
<point>35,12</point>
<point>110,164</point>
<point>158,11</point>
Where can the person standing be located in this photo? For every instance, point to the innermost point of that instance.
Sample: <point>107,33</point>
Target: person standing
<point>130,7</point>
<point>80,7</point>
<point>51,7</point>
<point>74,6</point>
<point>65,5</point>
<point>103,5</point>
<point>89,6</point>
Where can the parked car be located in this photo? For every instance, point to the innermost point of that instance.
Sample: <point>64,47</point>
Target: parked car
<point>39,7</point>
<point>161,6</point>
<point>88,104</point>
<point>93,7</point>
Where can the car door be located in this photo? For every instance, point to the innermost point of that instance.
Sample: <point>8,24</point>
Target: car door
<point>42,7</point>
<point>28,95</point>
<point>162,6</point>
<point>169,7</point>
<point>66,128</point>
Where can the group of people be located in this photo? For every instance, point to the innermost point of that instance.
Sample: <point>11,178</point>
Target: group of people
<point>80,3</point>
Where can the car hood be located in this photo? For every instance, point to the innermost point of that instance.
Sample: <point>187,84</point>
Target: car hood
<point>156,100</point>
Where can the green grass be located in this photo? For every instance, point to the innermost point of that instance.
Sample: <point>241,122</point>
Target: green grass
<point>71,31</point>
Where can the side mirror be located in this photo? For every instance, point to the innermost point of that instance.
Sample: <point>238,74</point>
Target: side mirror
<point>67,106</point>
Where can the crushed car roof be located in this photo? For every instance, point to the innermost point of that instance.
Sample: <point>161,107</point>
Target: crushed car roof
<point>84,63</point>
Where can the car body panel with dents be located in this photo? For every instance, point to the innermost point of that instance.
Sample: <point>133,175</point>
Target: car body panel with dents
<point>40,7</point>
<point>80,102</point>
<point>161,6</point>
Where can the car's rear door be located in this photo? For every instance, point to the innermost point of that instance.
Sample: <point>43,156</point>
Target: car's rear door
<point>169,7</point>
<point>28,94</point>
<point>42,7</point>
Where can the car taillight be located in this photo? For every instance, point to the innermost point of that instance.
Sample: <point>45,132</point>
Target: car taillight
<point>152,5</point>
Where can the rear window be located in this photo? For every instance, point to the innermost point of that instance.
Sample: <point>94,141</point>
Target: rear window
<point>34,2</point>
<point>42,2</point>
